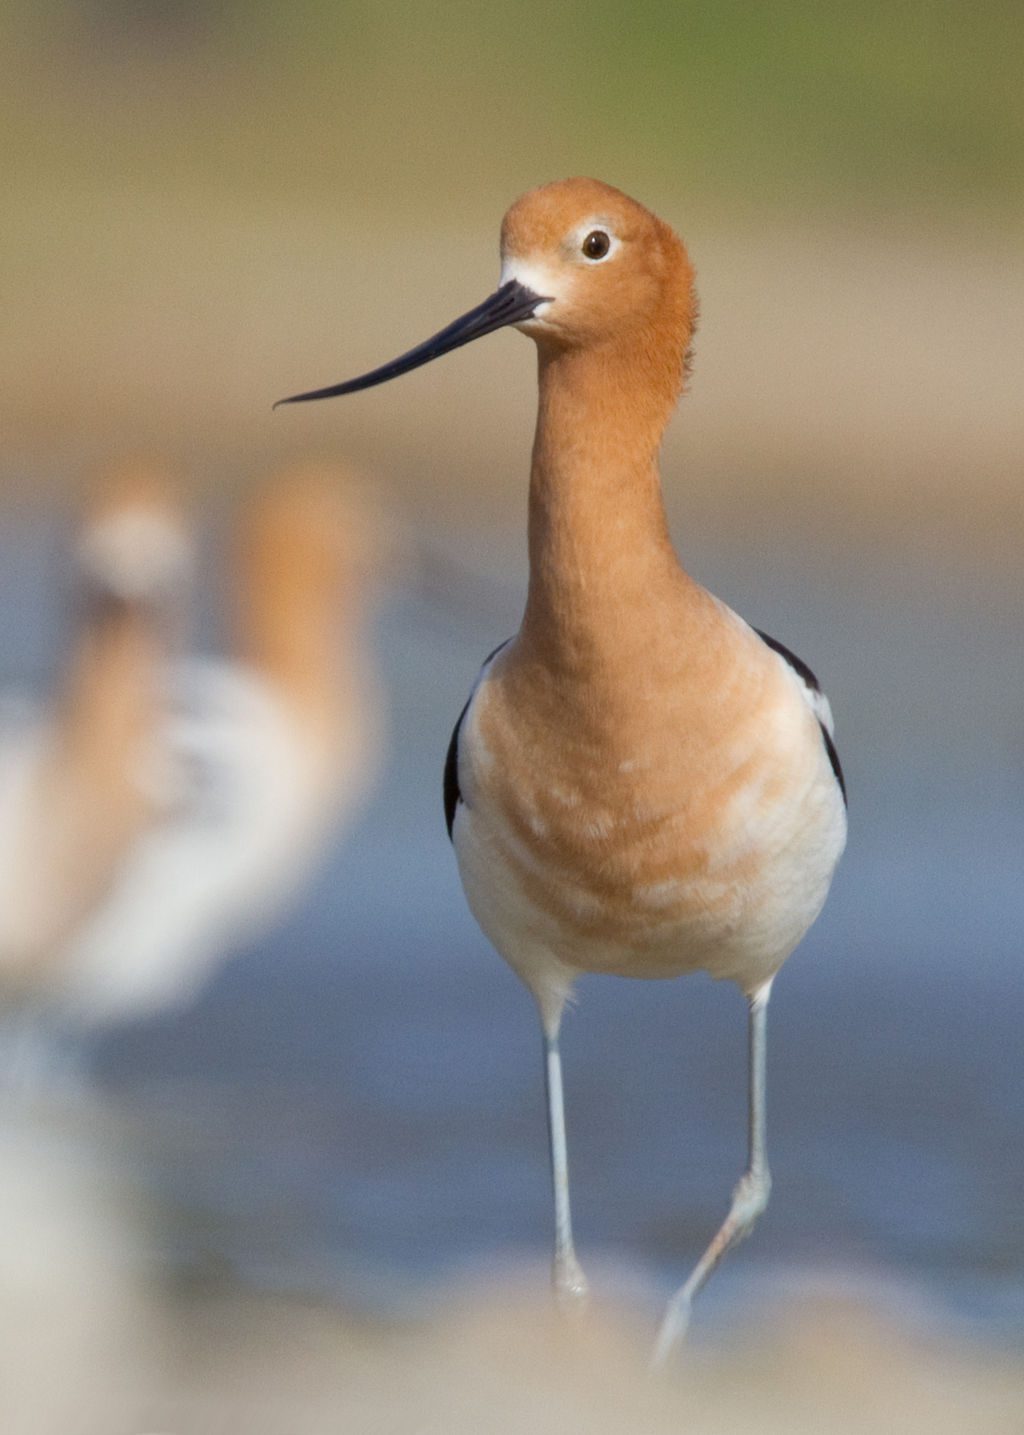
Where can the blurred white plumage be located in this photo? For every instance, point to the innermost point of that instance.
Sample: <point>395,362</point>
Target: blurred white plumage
<point>237,773</point>
<point>78,778</point>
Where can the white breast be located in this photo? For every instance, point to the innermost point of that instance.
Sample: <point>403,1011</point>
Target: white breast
<point>768,868</point>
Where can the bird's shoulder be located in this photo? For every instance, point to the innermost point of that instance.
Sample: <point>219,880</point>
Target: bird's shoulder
<point>816,700</point>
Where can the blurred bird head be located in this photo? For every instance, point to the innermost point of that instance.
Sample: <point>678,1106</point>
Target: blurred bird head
<point>304,552</point>
<point>134,549</point>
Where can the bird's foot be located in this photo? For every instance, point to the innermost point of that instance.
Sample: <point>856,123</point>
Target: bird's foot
<point>674,1325</point>
<point>571,1289</point>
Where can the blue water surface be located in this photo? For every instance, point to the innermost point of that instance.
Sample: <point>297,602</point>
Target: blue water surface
<point>354,1105</point>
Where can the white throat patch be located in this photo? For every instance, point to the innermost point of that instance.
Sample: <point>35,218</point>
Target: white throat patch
<point>535,277</point>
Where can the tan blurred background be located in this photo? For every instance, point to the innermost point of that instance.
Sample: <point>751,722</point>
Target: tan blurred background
<point>209,206</point>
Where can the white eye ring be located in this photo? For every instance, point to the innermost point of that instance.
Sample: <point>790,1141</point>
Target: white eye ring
<point>597,231</point>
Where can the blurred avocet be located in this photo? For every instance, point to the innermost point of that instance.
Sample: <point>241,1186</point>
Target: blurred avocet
<point>269,753</point>
<point>79,779</point>
<point>169,809</point>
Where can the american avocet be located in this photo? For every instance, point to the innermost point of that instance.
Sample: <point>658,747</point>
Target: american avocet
<point>640,783</point>
<point>77,782</point>
<point>268,753</point>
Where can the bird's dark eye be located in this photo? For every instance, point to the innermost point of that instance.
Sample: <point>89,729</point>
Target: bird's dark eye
<point>597,244</point>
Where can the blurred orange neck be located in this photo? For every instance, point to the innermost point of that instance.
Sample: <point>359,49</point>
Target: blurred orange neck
<point>304,640</point>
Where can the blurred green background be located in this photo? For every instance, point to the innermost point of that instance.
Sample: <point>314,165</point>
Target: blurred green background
<point>392,106</point>
<point>207,206</point>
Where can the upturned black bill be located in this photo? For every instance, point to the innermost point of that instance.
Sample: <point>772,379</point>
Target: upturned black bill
<point>510,304</point>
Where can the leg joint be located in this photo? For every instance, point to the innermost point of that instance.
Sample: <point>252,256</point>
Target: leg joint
<point>749,1199</point>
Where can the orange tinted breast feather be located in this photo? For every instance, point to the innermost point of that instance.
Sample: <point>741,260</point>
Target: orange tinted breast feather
<point>650,800</point>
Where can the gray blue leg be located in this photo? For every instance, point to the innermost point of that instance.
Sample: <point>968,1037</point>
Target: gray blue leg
<point>569,1281</point>
<point>748,1199</point>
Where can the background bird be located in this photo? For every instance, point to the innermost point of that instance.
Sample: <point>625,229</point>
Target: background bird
<point>81,778</point>
<point>270,751</point>
<point>169,807</point>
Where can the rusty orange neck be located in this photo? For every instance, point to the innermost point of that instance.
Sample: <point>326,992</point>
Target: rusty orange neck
<point>601,560</point>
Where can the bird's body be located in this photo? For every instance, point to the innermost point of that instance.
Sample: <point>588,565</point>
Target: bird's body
<point>641,783</point>
<point>250,805</point>
<point>688,820</point>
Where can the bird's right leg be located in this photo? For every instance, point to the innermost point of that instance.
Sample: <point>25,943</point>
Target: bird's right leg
<point>569,1281</point>
<point>748,1199</point>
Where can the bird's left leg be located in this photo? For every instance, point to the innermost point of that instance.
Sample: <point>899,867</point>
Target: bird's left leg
<point>568,1278</point>
<point>748,1199</point>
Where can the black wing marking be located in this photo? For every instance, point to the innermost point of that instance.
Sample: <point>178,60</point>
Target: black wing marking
<point>833,758</point>
<point>452,794</point>
<point>797,664</point>
<point>807,676</point>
